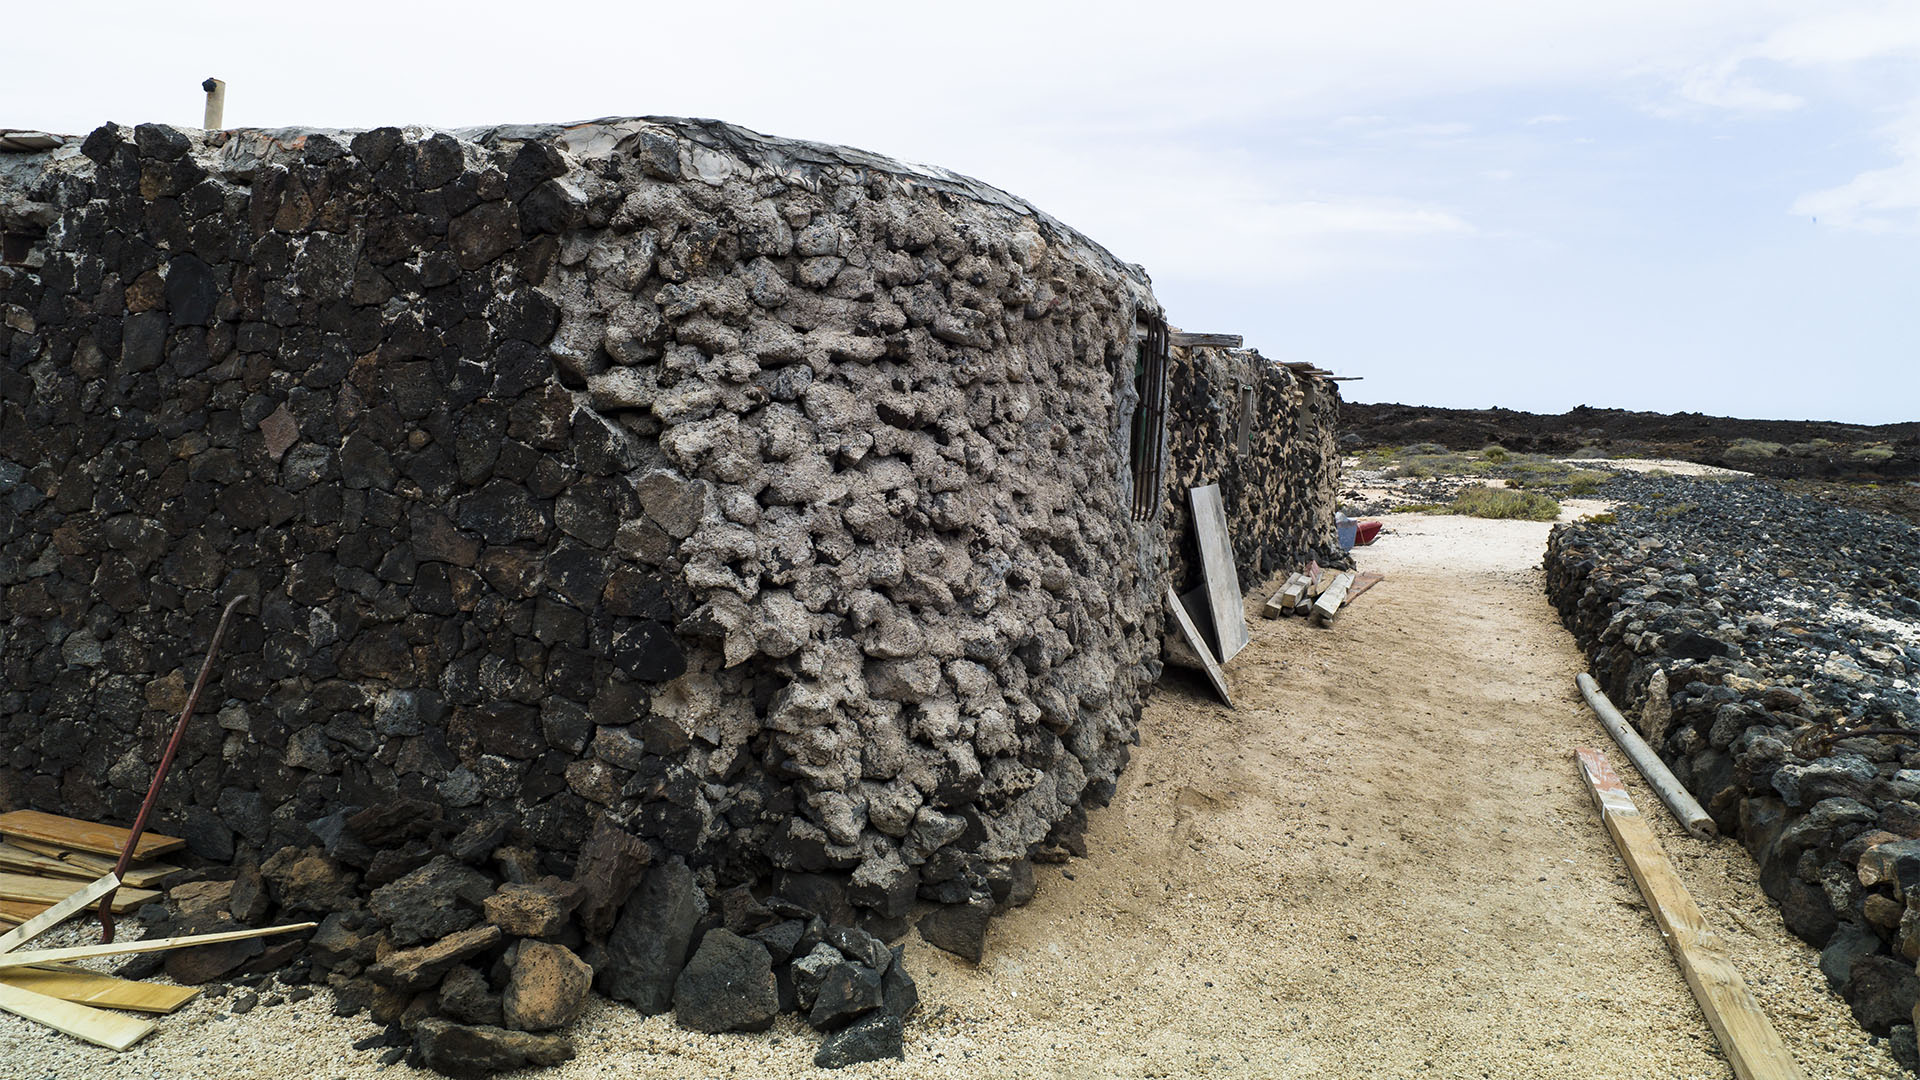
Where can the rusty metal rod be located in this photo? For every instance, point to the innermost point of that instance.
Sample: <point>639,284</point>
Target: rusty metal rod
<point>160,773</point>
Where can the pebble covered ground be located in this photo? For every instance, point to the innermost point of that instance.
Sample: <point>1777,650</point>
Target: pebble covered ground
<point>1381,865</point>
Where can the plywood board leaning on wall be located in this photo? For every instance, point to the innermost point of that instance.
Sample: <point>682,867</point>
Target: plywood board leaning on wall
<point>1216,563</point>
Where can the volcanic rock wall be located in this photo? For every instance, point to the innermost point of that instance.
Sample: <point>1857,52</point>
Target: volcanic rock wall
<point>1278,483</point>
<point>759,496</point>
<point>1749,632</point>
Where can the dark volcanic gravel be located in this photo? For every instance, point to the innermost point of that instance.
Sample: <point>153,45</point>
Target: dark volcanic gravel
<point>1748,631</point>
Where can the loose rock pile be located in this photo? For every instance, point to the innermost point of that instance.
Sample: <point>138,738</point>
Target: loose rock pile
<point>1748,632</point>
<point>477,961</point>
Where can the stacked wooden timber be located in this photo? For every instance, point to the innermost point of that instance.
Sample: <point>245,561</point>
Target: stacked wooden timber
<point>41,984</point>
<point>42,855</point>
<point>1318,593</point>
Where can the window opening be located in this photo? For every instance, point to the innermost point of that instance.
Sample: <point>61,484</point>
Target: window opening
<point>1148,443</point>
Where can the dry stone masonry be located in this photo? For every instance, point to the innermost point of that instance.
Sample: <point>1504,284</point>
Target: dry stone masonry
<point>1748,632</point>
<point>679,557</point>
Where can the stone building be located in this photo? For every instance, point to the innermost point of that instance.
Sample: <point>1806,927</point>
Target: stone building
<point>806,514</point>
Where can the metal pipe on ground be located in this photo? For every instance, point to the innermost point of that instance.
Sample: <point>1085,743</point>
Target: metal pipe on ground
<point>1685,810</point>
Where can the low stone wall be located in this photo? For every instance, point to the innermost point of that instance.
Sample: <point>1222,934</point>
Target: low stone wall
<point>1746,631</point>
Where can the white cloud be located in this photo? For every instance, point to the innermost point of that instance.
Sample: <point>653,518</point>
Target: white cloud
<point>1840,45</point>
<point>1878,200</point>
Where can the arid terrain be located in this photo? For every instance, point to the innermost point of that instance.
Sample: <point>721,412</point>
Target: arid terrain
<point>1860,466</point>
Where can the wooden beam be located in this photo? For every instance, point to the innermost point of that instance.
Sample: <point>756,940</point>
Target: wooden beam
<point>57,913</point>
<point>1199,646</point>
<point>1749,1040</point>
<point>40,890</point>
<point>77,835</point>
<point>92,866</point>
<point>1328,604</point>
<point>1216,564</point>
<point>97,1026</point>
<point>1218,341</point>
<point>1288,598</point>
<point>1684,808</point>
<point>31,957</point>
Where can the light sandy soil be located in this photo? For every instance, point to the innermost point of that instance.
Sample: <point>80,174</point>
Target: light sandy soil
<point>1382,865</point>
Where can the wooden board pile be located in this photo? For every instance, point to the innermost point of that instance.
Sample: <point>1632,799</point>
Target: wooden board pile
<point>52,868</point>
<point>42,855</point>
<point>1318,593</point>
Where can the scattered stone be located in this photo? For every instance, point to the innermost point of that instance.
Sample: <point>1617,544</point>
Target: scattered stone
<point>463,1050</point>
<point>960,929</point>
<point>465,996</point>
<point>875,1038</point>
<point>611,864</point>
<point>727,986</point>
<point>414,970</point>
<point>548,989</point>
<point>647,949</point>
<point>846,991</point>
<point>438,899</point>
<point>533,910</point>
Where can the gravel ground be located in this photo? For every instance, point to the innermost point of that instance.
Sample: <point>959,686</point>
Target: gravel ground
<point>1382,865</point>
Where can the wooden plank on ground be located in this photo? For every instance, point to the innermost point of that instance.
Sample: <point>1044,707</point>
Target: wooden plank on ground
<point>1216,563</point>
<point>103,991</point>
<point>20,860</point>
<point>140,875</point>
<point>47,918</point>
<point>40,890</point>
<point>30,957</point>
<point>111,1030</point>
<point>1199,646</point>
<point>1322,579</point>
<point>14,911</point>
<point>83,835</point>
<point>1748,1039</point>
<point>1328,605</point>
<point>1367,580</point>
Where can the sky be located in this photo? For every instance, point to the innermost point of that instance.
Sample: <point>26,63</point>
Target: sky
<point>1701,205</point>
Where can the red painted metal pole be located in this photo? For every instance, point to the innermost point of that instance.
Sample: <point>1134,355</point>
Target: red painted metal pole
<point>166,762</point>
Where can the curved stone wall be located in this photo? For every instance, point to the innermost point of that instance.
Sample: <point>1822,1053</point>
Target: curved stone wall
<point>759,496</point>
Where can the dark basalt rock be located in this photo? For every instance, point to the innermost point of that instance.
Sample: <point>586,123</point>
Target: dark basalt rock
<point>961,929</point>
<point>464,1050</point>
<point>873,1039</point>
<point>438,899</point>
<point>728,985</point>
<point>644,954</point>
<point>1697,609</point>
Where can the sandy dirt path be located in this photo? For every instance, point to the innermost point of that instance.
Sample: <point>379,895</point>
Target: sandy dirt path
<point>1382,865</point>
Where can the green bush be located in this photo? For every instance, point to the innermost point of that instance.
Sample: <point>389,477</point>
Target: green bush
<point>1873,455</point>
<point>1752,448</point>
<point>1419,508</point>
<point>1495,453</point>
<point>1505,504</point>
